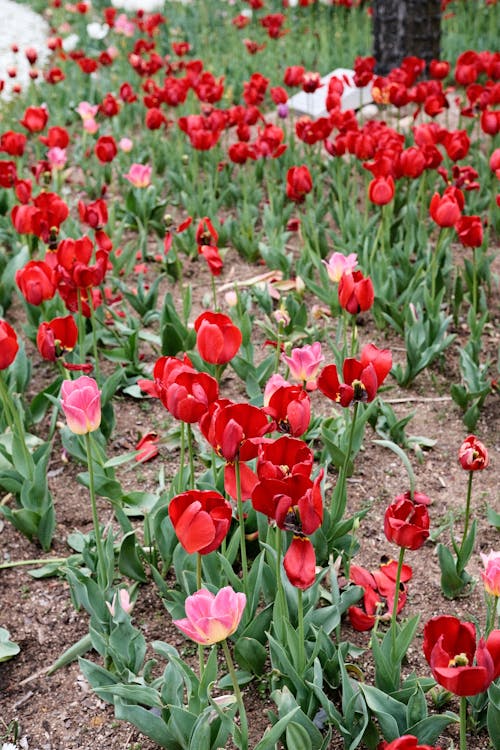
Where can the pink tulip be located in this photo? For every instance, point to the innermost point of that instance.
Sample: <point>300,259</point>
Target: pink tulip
<point>491,575</point>
<point>125,144</point>
<point>212,618</point>
<point>81,403</point>
<point>57,157</point>
<point>123,597</point>
<point>340,264</point>
<point>304,364</point>
<point>139,175</point>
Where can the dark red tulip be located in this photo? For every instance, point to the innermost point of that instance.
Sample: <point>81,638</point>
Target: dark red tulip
<point>57,337</point>
<point>406,523</point>
<point>298,183</point>
<point>105,148</point>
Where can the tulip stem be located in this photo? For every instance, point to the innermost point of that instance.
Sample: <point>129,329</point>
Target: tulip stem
<point>237,693</point>
<point>94,332</point>
<point>279,583</point>
<point>214,292</point>
<point>241,521</point>
<point>191,456</point>
<point>467,513</point>
<point>463,723</point>
<point>182,451</point>
<point>101,570</point>
<point>198,587</point>
<point>396,600</point>
<point>300,629</point>
<point>81,328</point>
<point>338,506</point>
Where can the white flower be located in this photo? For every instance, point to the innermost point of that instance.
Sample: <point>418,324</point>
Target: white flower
<point>70,43</point>
<point>97,30</point>
<point>8,746</point>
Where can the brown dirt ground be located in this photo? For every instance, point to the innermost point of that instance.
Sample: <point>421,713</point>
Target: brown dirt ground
<point>61,712</point>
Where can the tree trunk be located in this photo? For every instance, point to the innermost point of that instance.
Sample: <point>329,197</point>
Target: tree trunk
<point>405,27</point>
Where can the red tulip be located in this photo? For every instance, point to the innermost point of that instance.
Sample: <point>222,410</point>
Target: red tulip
<point>457,144</point>
<point>36,282</point>
<point>56,137</point>
<point>201,519</point>
<point>293,75</point>
<point>189,394</point>
<point>236,430</point>
<point>450,649</point>
<point>362,378</point>
<point>355,292</point>
<point>57,337</point>
<point>13,143</point>
<point>105,148</point>
<point>8,174</point>
<point>470,231</point>
<point>279,458</point>
<point>218,339</point>
<point>35,119</point>
<point>445,210</point>
<point>381,190</point>
<point>94,214</point>
<point>8,345</point>
<point>300,563</point>
<point>290,408</point>
<point>379,589</point>
<point>406,523</point>
<point>405,742</point>
<point>473,454</point>
<point>298,183</point>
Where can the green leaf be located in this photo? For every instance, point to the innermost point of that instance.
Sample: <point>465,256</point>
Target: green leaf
<point>129,561</point>
<point>251,655</point>
<point>73,652</point>
<point>8,648</point>
<point>493,517</point>
<point>134,693</point>
<point>148,723</point>
<point>271,736</point>
<point>416,709</point>
<point>390,714</point>
<point>297,736</point>
<point>493,715</point>
<point>428,730</point>
<point>452,584</point>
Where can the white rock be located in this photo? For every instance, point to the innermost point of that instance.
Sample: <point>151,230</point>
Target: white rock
<point>314,104</point>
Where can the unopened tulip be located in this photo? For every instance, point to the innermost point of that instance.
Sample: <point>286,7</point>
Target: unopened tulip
<point>81,403</point>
